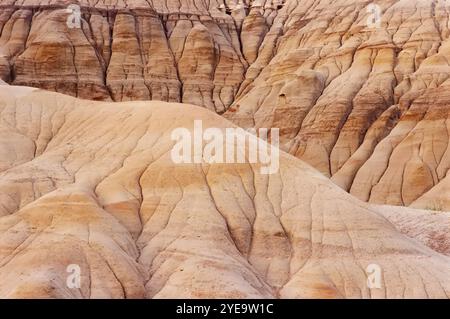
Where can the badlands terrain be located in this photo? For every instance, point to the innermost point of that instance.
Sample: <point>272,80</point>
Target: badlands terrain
<point>93,184</point>
<point>358,89</point>
<point>365,103</point>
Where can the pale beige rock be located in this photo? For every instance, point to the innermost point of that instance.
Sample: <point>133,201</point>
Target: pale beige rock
<point>254,29</point>
<point>366,105</point>
<point>196,66</point>
<point>437,198</point>
<point>93,184</point>
<point>132,51</point>
<point>429,227</point>
<point>60,59</point>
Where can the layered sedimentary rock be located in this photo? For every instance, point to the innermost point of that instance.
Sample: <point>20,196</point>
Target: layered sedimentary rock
<point>174,50</point>
<point>93,185</point>
<point>429,227</point>
<point>357,89</point>
<point>362,99</point>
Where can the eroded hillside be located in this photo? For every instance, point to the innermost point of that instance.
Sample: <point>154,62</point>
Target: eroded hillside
<point>363,101</point>
<point>177,50</point>
<point>93,184</point>
<point>366,105</point>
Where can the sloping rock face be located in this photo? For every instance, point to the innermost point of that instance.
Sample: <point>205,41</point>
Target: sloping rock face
<point>174,50</point>
<point>429,227</point>
<point>93,184</point>
<point>363,100</point>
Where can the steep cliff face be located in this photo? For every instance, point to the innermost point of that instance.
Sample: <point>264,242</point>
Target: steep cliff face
<point>93,185</point>
<point>364,100</point>
<point>175,50</point>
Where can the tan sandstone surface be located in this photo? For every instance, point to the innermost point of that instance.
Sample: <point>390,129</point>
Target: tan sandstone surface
<point>93,184</point>
<point>172,50</point>
<point>429,227</point>
<point>364,103</point>
<point>367,105</point>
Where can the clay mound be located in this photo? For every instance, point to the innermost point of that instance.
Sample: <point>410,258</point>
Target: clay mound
<point>93,184</point>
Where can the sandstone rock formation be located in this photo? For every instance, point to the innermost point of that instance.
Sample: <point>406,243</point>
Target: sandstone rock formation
<point>362,100</point>
<point>429,227</point>
<point>174,50</point>
<point>365,103</point>
<point>93,184</point>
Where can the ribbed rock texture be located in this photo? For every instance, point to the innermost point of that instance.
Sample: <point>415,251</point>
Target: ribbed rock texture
<point>93,184</point>
<point>173,50</point>
<point>363,101</point>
